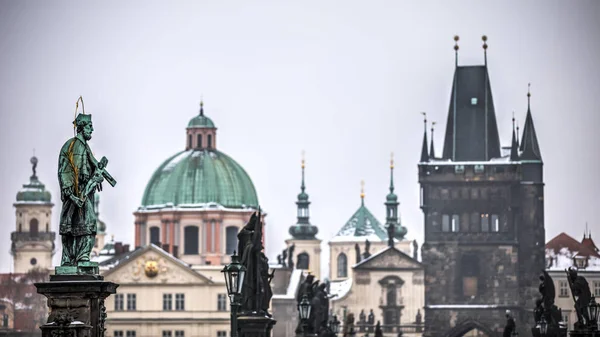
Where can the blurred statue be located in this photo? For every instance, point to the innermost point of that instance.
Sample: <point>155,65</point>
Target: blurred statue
<point>291,256</point>
<point>366,254</point>
<point>582,295</point>
<point>357,251</point>
<point>378,331</point>
<point>510,326</point>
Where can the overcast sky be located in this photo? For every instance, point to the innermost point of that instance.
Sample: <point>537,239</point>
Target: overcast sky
<point>343,80</point>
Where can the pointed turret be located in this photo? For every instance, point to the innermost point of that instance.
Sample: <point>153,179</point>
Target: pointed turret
<point>391,207</point>
<point>432,147</point>
<point>514,146</point>
<point>303,230</point>
<point>424,152</point>
<point>530,149</point>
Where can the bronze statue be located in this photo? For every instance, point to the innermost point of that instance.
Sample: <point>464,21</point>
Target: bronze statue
<point>80,175</point>
<point>366,254</point>
<point>390,232</point>
<point>357,251</point>
<point>510,326</point>
<point>582,295</point>
<point>291,256</point>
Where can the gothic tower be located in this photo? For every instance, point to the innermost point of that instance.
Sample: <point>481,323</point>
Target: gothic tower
<point>33,240</point>
<point>307,248</point>
<point>483,217</point>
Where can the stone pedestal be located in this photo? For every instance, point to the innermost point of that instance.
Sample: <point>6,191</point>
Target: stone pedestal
<point>255,326</point>
<point>76,305</point>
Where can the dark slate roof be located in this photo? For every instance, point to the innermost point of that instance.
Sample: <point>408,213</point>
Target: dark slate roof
<point>471,130</point>
<point>530,149</point>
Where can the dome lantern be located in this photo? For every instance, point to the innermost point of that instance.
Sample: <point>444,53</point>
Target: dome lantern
<point>201,132</point>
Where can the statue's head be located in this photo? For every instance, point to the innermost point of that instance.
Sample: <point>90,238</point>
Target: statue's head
<point>572,273</point>
<point>83,123</point>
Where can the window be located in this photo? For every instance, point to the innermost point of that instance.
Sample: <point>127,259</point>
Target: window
<point>190,238</point>
<point>479,168</point>
<point>130,333</point>
<point>212,236</point>
<point>445,223</point>
<point>596,288</point>
<point>167,333</point>
<point>222,302</point>
<point>231,233</point>
<point>167,302</point>
<point>221,333</point>
<point>391,295</point>
<point>562,288</point>
<point>33,227</point>
<point>459,169</point>
<point>455,223</point>
<point>470,275</point>
<point>474,101</point>
<point>485,223</point>
<point>47,227</point>
<point>179,333</point>
<point>199,141</point>
<point>118,302</point>
<point>342,265</point>
<point>179,302</point>
<point>303,261</point>
<point>565,317</point>
<point>118,333</point>
<point>495,223</point>
<point>475,222</point>
<point>189,140</point>
<point>209,141</point>
<point>155,235</point>
<point>131,302</point>
<point>20,228</point>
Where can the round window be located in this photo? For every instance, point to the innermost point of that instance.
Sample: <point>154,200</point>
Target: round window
<point>33,261</point>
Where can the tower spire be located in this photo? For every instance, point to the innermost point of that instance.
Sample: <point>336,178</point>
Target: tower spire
<point>485,46</point>
<point>424,152</point>
<point>303,230</point>
<point>530,149</point>
<point>392,173</point>
<point>302,187</point>
<point>432,148</point>
<point>514,146</point>
<point>456,38</point>
<point>362,192</point>
<point>201,107</point>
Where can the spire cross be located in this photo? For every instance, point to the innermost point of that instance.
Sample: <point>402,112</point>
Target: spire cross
<point>392,161</point>
<point>456,38</point>
<point>302,186</point>
<point>392,173</point>
<point>201,107</point>
<point>528,95</point>
<point>362,190</point>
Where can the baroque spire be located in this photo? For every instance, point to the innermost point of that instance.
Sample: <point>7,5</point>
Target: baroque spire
<point>303,230</point>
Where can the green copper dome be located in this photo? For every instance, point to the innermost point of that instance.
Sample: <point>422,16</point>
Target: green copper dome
<point>201,121</point>
<point>194,178</point>
<point>35,191</point>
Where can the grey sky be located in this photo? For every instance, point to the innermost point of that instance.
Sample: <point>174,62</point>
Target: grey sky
<point>344,81</point>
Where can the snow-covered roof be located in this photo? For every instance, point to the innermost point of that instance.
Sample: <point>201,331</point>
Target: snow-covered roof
<point>361,226</point>
<point>292,286</point>
<point>339,289</point>
<point>563,251</point>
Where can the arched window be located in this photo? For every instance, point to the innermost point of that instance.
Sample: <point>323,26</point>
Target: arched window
<point>33,227</point>
<point>199,141</point>
<point>20,228</point>
<point>209,141</point>
<point>47,227</point>
<point>189,141</point>
<point>190,239</point>
<point>155,235</point>
<point>303,261</point>
<point>342,265</point>
<point>231,233</point>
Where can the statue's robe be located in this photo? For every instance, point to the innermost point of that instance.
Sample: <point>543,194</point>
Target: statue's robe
<point>76,166</point>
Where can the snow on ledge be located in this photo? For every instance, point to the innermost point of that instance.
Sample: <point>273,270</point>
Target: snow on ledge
<point>465,306</point>
<point>339,289</point>
<point>293,286</point>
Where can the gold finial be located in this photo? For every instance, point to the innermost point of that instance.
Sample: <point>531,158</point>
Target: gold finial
<point>392,160</point>
<point>456,38</point>
<point>362,189</point>
<point>201,107</point>
<point>484,38</point>
<point>528,89</point>
<point>424,116</point>
<point>303,158</point>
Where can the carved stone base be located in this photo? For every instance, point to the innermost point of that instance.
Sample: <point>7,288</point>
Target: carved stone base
<point>255,326</point>
<point>76,305</point>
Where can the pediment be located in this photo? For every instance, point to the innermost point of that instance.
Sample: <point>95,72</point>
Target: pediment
<point>390,258</point>
<point>152,265</point>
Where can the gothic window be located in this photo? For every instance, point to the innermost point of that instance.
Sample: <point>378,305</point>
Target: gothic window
<point>455,223</point>
<point>342,265</point>
<point>155,235</point>
<point>302,262</point>
<point>231,233</point>
<point>470,275</point>
<point>33,227</point>
<point>190,239</point>
<point>485,222</point>
<point>209,141</point>
<point>445,223</point>
<point>199,141</point>
<point>495,223</point>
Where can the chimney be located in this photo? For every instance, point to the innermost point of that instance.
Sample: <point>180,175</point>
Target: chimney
<point>176,251</point>
<point>126,248</point>
<point>165,247</point>
<point>118,248</point>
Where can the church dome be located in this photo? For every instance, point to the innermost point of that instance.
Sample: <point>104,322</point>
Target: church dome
<point>35,191</point>
<point>197,177</point>
<point>201,122</point>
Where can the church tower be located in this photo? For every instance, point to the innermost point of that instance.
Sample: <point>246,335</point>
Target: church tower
<point>307,248</point>
<point>100,228</point>
<point>483,216</point>
<point>33,238</point>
